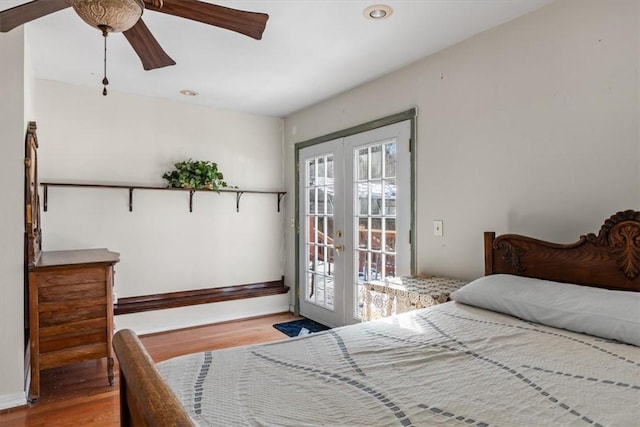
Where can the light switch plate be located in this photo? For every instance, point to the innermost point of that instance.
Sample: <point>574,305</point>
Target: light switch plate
<point>437,228</point>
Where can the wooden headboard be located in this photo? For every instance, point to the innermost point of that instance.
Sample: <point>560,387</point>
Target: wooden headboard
<point>610,259</point>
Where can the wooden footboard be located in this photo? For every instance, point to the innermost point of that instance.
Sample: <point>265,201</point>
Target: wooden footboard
<point>145,399</point>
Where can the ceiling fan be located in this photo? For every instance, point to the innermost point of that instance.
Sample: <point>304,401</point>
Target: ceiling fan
<point>110,16</point>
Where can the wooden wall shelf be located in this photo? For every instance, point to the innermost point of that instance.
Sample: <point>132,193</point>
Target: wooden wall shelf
<point>238,192</point>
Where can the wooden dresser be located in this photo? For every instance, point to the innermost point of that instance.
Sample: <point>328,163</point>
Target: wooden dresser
<point>70,310</point>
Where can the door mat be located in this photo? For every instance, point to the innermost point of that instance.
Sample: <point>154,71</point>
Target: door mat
<point>300,327</point>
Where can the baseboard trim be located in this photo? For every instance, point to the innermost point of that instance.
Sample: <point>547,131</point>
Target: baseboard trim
<point>9,401</point>
<point>199,296</point>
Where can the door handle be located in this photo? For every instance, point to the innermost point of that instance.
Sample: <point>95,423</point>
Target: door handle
<point>339,248</point>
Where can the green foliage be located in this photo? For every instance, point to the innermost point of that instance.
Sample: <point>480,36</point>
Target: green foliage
<point>195,174</point>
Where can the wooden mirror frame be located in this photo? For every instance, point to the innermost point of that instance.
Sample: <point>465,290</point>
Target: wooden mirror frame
<point>32,230</point>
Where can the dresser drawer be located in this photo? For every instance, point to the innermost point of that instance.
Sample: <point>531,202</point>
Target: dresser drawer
<point>73,355</point>
<point>70,276</point>
<point>70,340</point>
<point>61,313</point>
<point>71,328</point>
<point>75,292</point>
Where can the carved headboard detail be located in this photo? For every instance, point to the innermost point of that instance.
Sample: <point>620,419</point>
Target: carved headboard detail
<point>622,233</point>
<point>609,260</point>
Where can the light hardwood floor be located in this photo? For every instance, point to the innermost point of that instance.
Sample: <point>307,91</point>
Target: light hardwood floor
<point>79,395</point>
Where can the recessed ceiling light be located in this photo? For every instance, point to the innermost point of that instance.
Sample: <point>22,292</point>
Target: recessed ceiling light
<point>378,12</point>
<point>187,92</point>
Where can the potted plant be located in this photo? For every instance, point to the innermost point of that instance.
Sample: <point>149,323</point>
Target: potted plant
<point>195,174</point>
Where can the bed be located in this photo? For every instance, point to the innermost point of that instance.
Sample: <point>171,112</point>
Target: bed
<point>550,336</point>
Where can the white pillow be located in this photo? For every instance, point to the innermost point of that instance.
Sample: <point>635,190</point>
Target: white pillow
<point>600,312</point>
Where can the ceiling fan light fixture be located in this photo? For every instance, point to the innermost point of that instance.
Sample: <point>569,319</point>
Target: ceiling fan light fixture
<point>114,15</point>
<point>378,12</point>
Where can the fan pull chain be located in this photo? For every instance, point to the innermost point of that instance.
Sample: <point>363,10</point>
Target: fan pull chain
<point>105,80</point>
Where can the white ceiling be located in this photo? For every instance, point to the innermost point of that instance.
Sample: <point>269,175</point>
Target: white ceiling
<point>310,50</point>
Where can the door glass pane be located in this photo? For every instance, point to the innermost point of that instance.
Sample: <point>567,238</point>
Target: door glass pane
<point>319,289</point>
<point>311,201</point>
<point>363,164</point>
<point>329,167</point>
<point>321,170</point>
<point>363,198</point>
<point>311,172</point>
<point>310,288</point>
<point>376,266</point>
<point>329,200</point>
<point>321,233</point>
<point>311,257</point>
<point>314,229</point>
<point>363,233</point>
<point>321,205</point>
<point>363,266</point>
<point>319,220</point>
<point>329,287</point>
<point>376,161</point>
<point>390,235</point>
<point>326,267</point>
<point>390,160</point>
<point>375,208</point>
<point>376,234</point>
<point>328,185</point>
<point>329,230</point>
<point>330,257</point>
<point>390,197</point>
<point>376,195</point>
<point>390,265</point>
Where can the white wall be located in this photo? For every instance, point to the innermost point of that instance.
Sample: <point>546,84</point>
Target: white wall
<point>164,248</point>
<point>531,128</point>
<point>13,127</point>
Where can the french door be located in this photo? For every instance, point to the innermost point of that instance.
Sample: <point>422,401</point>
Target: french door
<point>355,219</point>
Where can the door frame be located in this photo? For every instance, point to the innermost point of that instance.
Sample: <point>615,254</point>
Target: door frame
<point>410,115</point>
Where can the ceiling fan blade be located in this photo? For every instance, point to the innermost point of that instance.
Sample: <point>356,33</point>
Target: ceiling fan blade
<point>251,24</point>
<point>147,47</point>
<point>16,16</point>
